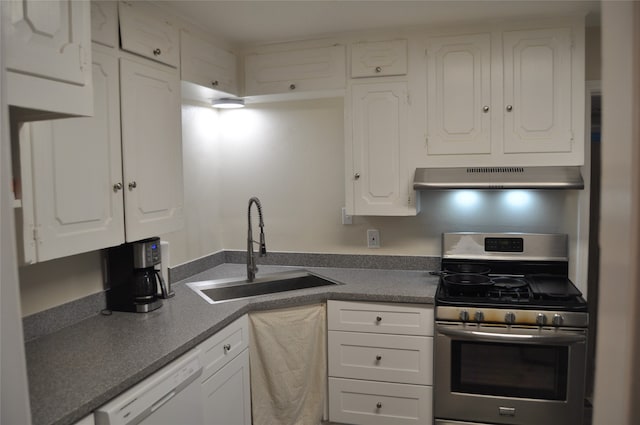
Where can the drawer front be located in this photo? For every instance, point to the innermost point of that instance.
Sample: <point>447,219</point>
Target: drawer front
<point>391,358</point>
<point>225,345</point>
<point>387,318</point>
<point>379,403</point>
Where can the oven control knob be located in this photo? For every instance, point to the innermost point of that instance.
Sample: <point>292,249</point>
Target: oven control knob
<point>464,315</point>
<point>557,320</point>
<point>479,316</point>
<point>541,319</point>
<point>510,318</point>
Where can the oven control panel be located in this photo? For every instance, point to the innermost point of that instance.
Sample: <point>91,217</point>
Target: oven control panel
<point>512,316</point>
<point>504,244</point>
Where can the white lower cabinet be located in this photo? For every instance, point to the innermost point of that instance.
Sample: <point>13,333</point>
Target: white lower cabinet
<point>226,387</point>
<point>380,363</point>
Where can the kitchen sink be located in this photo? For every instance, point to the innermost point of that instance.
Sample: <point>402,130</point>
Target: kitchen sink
<point>221,290</point>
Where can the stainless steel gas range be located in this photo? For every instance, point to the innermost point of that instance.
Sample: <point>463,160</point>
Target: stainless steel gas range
<point>511,332</point>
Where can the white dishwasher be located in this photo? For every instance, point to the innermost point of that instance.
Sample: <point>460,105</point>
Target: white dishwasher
<point>170,396</point>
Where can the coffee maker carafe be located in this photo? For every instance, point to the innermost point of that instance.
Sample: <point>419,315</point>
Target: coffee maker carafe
<point>134,278</point>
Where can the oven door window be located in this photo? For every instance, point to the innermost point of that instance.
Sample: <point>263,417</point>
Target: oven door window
<point>511,370</point>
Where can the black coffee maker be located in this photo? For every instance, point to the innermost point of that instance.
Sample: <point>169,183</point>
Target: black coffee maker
<point>132,274</point>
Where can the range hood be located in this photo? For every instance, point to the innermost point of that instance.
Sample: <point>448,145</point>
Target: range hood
<point>498,178</point>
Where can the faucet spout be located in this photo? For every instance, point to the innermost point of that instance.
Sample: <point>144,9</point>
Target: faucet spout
<point>252,268</point>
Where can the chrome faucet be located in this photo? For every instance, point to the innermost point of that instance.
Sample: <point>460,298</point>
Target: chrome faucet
<point>252,268</point>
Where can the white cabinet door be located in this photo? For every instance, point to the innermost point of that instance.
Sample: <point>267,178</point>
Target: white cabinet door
<point>537,91</point>
<point>144,30</point>
<point>379,58</point>
<point>207,65</point>
<point>295,71</point>
<point>151,148</point>
<point>459,95</point>
<point>104,22</point>
<point>76,163</point>
<point>380,178</point>
<point>48,55</point>
<point>227,394</point>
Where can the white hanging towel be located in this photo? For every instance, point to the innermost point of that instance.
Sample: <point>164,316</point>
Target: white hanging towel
<point>288,365</point>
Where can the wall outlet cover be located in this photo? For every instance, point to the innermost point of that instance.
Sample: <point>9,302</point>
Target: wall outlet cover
<point>373,238</point>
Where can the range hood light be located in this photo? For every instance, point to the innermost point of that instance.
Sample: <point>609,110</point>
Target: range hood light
<point>228,103</point>
<point>498,178</point>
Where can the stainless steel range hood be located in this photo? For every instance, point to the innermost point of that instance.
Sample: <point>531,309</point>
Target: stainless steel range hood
<point>498,178</point>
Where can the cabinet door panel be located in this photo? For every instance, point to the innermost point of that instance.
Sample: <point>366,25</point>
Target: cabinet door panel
<point>227,395</point>
<point>104,22</point>
<point>144,31</point>
<point>48,39</point>
<point>459,88</point>
<point>537,91</point>
<point>379,116</point>
<point>152,149</point>
<point>377,59</point>
<point>207,65</point>
<point>76,162</point>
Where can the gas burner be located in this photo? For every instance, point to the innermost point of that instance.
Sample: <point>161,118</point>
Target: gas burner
<point>508,283</point>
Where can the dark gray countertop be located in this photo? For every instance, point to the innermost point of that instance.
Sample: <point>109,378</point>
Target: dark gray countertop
<point>77,369</point>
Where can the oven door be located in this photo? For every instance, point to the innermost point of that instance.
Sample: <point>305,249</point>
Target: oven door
<point>509,375</point>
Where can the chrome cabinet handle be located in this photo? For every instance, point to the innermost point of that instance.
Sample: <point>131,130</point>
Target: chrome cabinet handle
<point>292,86</point>
<point>378,357</point>
<point>117,187</point>
<point>215,83</point>
<point>227,347</point>
<point>133,185</point>
<point>157,52</point>
<point>379,405</point>
<point>378,69</point>
<point>509,108</point>
<point>356,176</point>
<point>378,319</point>
<point>485,109</point>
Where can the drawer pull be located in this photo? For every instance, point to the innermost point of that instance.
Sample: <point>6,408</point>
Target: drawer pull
<point>157,52</point>
<point>227,347</point>
<point>378,319</point>
<point>378,405</point>
<point>378,357</point>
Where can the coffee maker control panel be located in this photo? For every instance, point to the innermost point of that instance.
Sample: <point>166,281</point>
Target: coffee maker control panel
<point>146,253</point>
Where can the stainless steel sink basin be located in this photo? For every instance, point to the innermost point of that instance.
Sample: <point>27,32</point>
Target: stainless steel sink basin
<point>215,291</point>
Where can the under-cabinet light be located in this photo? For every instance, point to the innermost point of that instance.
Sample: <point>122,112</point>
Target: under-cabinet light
<point>228,103</point>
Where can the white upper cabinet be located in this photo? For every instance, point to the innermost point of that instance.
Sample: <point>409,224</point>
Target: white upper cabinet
<point>537,91</point>
<point>144,30</point>
<point>378,176</point>
<point>506,97</point>
<point>459,100</point>
<point>293,71</point>
<point>104,22</point>
<point>73,167</point>
<point>151,148</point>
<point>207,65</point>
<point>47,52</point>
<point>379,58</point>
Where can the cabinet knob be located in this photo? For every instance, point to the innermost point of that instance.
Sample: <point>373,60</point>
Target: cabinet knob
<point>133,185</point>
<point>117,187</point>
<point>157,52</point>
<point>356,176</point>
<point>215,83</point>
<point>292,86</point>
<point>485,109</point>
<point>378,357</point>
<point>509,108</point>
<point>378,319</point>
<point>379,405</point>
<point>378,69</point>
<point>227,347</point>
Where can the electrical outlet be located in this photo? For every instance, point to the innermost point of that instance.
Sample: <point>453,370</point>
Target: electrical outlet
<point>373,238</point>
<point>346,218</point>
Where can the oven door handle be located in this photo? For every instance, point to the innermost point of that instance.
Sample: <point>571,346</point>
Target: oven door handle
<point>477,335</point>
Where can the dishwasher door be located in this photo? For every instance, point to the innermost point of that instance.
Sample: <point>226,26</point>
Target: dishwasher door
<point>168,397</point>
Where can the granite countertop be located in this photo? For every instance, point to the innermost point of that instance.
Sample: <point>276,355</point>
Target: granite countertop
<point>79,368</point>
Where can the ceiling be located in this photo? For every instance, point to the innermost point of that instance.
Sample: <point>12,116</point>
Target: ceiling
<point>246,22</point>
